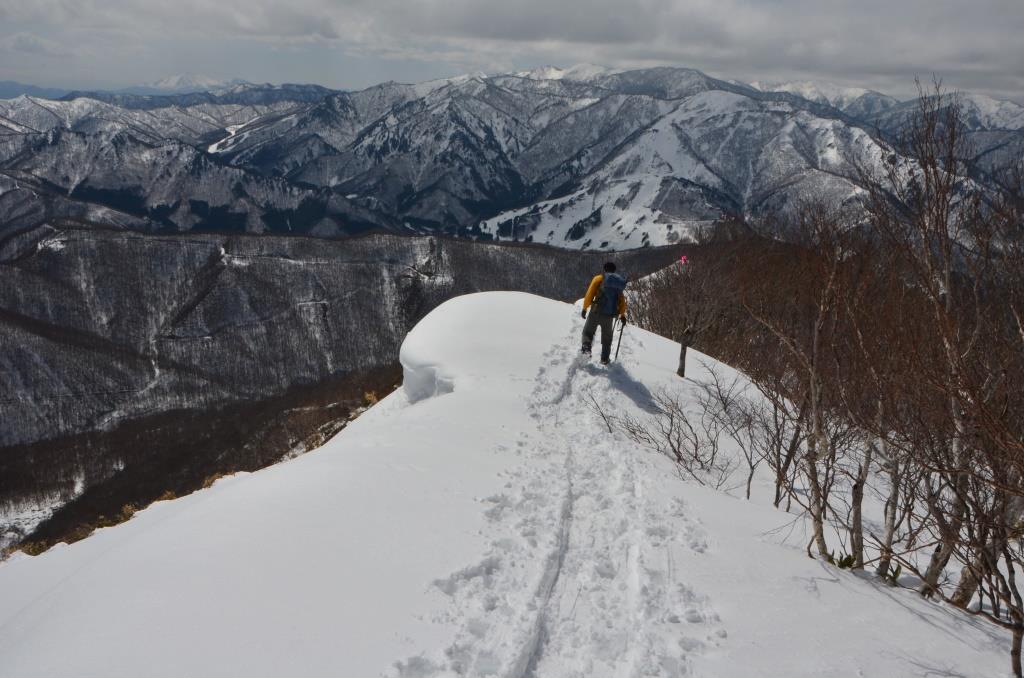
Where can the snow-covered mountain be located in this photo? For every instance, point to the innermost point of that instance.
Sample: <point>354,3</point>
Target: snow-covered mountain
<point>994,128</point>
<point>481,521</point>
<point>857,101</point>
<point>184,83</point>
<point>714,153</point>
<point>184,188</point>
<point>980,114</point>
<point>984,112</point>
<point>455,155</point>
<point>585,157</point>
<point>582,72</point>
<point>92,115</point>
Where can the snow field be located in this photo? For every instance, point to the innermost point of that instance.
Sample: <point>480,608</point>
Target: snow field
<point>482,521</point>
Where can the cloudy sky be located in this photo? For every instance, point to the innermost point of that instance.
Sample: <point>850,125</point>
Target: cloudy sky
<point>976,45</point>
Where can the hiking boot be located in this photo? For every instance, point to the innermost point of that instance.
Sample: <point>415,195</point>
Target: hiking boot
<point>605,361</point>
<point>585,350</point>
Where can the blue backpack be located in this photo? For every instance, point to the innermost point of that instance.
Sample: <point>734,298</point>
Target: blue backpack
<point>611,289</point>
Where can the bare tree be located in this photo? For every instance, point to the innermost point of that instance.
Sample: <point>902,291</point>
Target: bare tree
<point>800,316</point>
<point>953,244</point>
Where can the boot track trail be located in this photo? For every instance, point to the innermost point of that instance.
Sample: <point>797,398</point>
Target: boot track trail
<point>583,575</point>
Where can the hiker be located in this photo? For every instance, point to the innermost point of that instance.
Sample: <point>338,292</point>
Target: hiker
<point>605,300</point>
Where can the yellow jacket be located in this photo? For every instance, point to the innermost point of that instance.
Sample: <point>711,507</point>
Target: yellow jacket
<point>595,289</point>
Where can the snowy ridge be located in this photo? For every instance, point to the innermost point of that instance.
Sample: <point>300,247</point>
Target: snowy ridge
<point>581,72</point>
<point>596,562</point>
<point>988,113</point>
<point>820,92</point>
<point>189,82</point>
<point>158,126</point>
<point>492,527</point>
<point>858,102</point>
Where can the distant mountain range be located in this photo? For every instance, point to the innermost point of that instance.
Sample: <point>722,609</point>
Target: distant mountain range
<point>585,157</point>
<point>183,84</point>
<point>175,84</point>
<point>10,89</point>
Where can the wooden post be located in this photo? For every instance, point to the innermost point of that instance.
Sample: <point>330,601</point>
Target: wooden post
<point>684,343</point>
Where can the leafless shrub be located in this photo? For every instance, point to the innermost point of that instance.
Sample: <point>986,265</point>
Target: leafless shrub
<point>691,440</point>
<point>739,416</point>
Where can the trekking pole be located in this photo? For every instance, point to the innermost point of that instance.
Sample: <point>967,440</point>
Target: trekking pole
<point>621,328</point>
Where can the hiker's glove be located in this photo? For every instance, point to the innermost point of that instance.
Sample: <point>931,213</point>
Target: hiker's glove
<point>623,319</point>
<point>583,314</point>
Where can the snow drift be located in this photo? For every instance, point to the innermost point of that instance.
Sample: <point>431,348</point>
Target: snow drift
<point>480,521</point>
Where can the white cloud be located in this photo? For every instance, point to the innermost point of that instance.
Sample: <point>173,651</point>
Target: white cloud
<point>877,43</point>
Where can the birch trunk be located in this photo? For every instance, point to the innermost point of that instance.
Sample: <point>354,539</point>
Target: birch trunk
<point>813,448</point>
<point>891,508</point>
<point>1018,636</point>
<point>856,520</point>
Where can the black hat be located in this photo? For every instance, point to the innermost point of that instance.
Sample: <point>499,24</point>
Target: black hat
<point>609,267</point>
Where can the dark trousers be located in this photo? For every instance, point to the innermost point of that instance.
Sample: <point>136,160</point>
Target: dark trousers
<point>597,319</point>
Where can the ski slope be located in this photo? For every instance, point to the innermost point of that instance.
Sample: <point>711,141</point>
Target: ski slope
<point>481,521</point>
